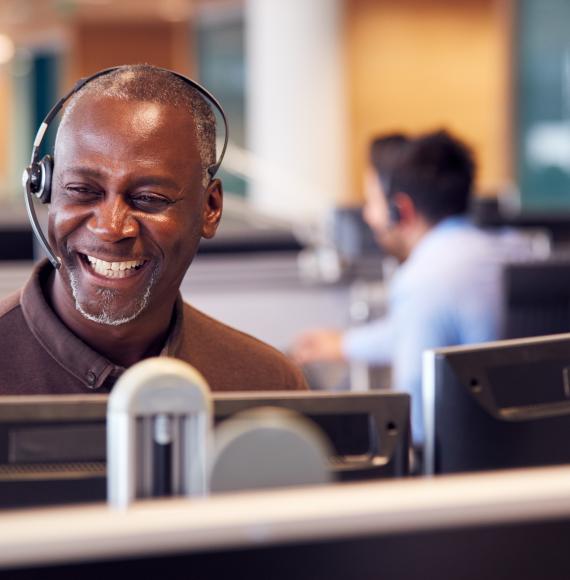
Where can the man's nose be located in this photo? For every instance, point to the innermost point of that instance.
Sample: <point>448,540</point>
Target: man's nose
<point>112,220</point>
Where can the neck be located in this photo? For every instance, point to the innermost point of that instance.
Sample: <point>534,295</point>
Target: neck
<point>415,234</point>
<point>123,345</point>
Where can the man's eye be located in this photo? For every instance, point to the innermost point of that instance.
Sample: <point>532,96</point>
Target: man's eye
<point>151,202</point>
<point>81,192</point>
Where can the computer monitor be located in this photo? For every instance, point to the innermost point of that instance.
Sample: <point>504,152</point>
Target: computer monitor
<point>497,405</point>
<point>53,448</point>
<point>351,235</point>
<point>537,298</point>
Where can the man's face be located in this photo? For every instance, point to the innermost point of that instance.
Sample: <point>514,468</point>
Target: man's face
<point>377,215</point>
<point>128,206</point>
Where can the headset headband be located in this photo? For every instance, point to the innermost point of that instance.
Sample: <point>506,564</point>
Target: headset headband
<point>37,176</point>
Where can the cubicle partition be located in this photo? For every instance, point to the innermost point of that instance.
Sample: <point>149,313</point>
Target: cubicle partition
<point>501,525</point>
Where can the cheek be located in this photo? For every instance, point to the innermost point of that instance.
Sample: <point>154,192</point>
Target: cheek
<point>376,215</point>
<point>179,240</point>
<point>62,222</point>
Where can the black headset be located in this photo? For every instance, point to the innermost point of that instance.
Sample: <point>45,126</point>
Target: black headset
<point>394,214</point>
<point>37,177</point>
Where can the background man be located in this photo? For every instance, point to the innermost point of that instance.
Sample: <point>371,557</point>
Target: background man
<point>131,199</point>
<point>447,290</point>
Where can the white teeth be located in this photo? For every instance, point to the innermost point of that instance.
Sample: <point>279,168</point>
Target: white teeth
<point>113,269</point>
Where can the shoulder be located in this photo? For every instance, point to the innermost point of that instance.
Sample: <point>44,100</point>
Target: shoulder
<point>10,304</point>
<point>214,329</point>
<point>447,260</point>
<point>233,360</point>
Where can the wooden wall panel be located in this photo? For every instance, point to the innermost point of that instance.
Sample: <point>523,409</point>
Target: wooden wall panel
<point>101,44</point>
<point>5,129</point>
<point>415,65</point>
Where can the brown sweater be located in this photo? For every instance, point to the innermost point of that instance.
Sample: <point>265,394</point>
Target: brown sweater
<point>40,355</point>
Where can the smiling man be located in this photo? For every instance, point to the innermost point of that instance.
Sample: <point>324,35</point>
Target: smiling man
<point>131,198</point>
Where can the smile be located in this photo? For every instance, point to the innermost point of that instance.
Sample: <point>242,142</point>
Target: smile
<point>114,269</point>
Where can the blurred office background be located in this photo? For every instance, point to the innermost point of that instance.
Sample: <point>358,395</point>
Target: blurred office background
<point>306,85</point>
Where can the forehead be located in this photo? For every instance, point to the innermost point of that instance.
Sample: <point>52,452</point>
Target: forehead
<point>127,129</point>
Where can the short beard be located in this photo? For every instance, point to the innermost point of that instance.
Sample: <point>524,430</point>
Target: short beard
<point>105,315</point>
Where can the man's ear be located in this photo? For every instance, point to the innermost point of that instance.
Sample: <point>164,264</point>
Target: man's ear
<point>212,208</point>
<point>406,208</point>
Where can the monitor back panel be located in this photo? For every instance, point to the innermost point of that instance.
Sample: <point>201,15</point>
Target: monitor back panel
<point>537,298</point>
<point>53,449</point>
<point>497,409</point>
<point>468,438</point>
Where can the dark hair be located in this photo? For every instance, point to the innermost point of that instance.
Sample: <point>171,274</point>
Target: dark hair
<point>385,152</point>
<point>436,170</point>
<point>144,82</point>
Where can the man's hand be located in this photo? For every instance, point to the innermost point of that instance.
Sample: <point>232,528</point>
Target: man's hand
<point>318,345</point>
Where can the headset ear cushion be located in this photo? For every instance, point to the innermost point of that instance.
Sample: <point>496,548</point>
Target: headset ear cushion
<point>394,211</point>
<point>46,167</point>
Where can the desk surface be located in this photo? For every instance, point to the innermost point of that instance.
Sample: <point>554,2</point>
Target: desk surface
<point>253,520</point>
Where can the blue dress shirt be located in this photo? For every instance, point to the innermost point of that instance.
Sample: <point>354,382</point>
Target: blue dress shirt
<point>448,292</point>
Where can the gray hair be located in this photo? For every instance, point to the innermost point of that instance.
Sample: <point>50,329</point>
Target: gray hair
<point>143,82</point>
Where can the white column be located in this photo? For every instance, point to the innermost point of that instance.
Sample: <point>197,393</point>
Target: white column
<point>296,112</point>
